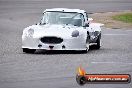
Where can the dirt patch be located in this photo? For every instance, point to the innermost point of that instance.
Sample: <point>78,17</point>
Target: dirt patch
<point>106,19</point>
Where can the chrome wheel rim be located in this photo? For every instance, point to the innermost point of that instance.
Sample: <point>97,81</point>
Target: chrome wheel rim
<point>87,46</point>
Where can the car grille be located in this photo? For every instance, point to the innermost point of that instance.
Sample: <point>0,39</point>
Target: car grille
<point>51,40</point>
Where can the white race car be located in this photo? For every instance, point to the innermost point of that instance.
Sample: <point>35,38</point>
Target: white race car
<point>62,29</point>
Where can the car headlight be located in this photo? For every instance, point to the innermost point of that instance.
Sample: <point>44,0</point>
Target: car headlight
<point>30,32</point>
<point>75,33</point>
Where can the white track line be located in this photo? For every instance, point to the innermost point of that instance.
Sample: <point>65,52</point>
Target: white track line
<point>111,63</point>
<point>129,30</point>
<point>115,34</point>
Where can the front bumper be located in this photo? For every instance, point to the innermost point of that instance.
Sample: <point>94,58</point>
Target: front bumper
<point>72,43</point>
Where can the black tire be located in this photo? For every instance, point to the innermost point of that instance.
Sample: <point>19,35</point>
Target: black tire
<point>98,42</point>
<point>29,50</point>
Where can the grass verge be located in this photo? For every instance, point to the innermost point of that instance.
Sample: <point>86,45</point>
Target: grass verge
<point>127,17</point>
<point>114,19</point>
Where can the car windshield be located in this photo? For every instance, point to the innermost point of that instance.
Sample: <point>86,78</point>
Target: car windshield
<point>66,18</point>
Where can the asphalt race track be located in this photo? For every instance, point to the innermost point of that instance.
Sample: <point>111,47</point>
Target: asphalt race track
<point>58,69</point>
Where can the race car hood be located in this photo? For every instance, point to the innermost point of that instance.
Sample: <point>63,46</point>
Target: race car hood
<point>53,30</point>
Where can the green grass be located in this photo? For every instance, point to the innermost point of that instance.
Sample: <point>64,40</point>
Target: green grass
<point>126,17</point>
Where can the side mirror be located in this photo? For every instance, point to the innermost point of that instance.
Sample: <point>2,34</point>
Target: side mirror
<point>90,19</point>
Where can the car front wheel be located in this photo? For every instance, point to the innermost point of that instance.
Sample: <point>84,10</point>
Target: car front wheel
<point>87,45</point>
<point>28,50</point>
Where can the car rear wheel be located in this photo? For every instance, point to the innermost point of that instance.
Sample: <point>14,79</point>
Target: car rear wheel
<point>98,42</point>
<point>29,50</point>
